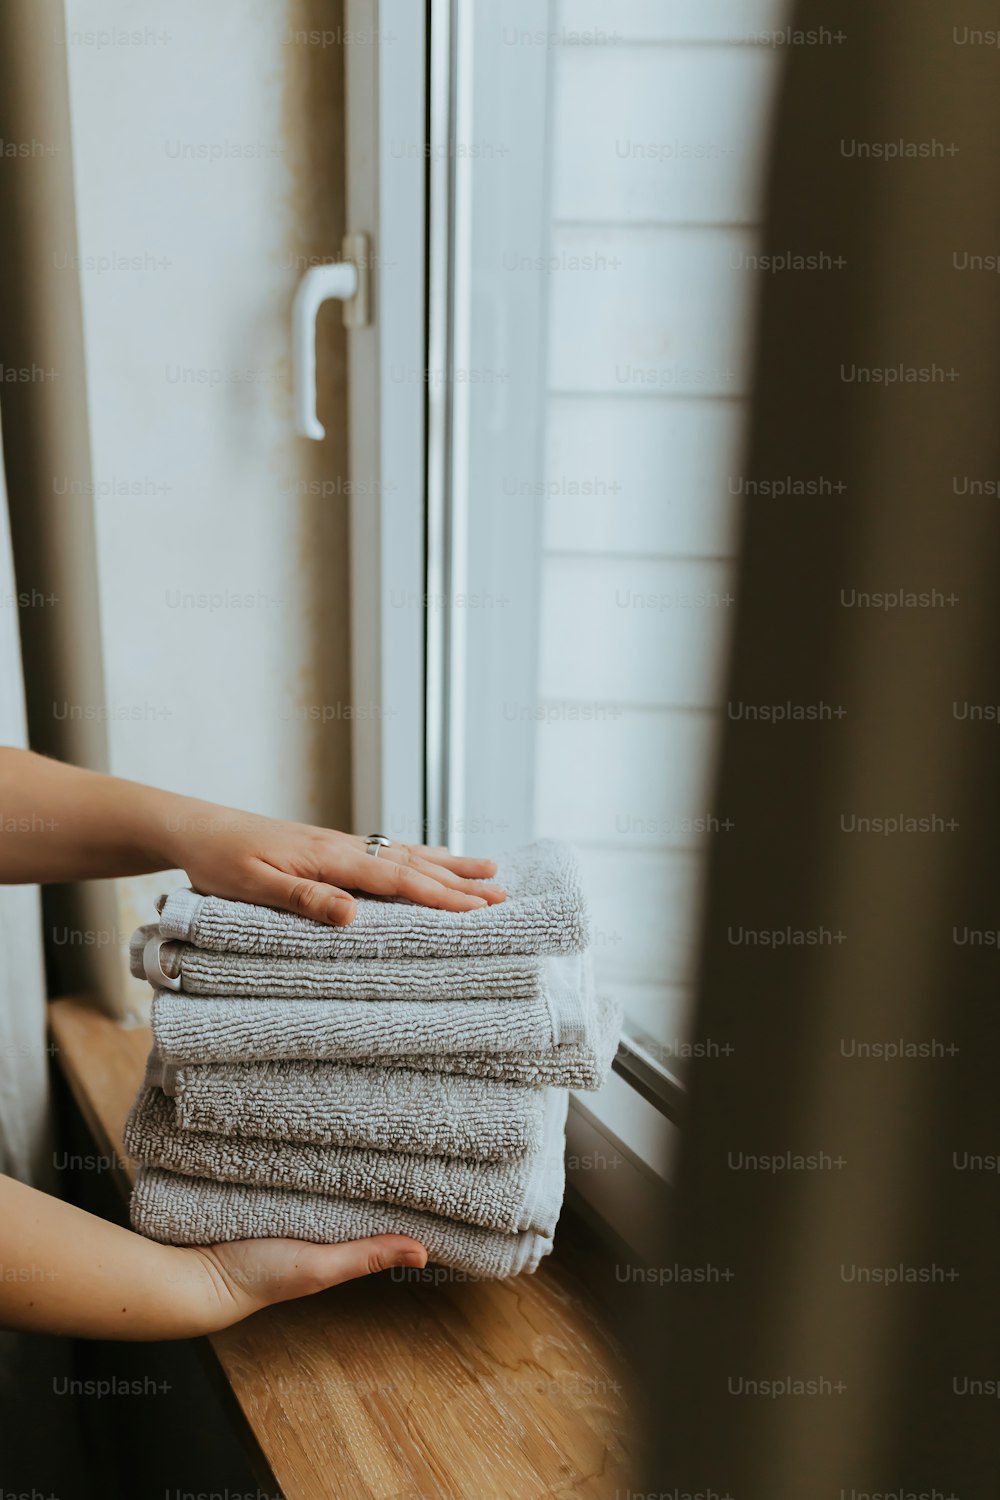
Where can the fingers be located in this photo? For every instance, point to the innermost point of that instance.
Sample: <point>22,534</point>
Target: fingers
<point>242,1276</point>
<point>459,864</point>
<point>391,874</point>
<point>430,877</point>
<point>284,1269</point>
<point>491,893</point>
<point>347,1262</point>
<point>308,898</point>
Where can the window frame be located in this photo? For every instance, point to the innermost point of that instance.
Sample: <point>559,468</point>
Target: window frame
<point>386,103</point>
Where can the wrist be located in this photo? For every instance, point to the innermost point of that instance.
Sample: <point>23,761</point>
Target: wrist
<point>201,1298</point>
<point>178,833</point>
<point>162,825</point>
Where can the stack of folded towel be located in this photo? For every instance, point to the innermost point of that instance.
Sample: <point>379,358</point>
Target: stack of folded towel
<point>405,1074</point>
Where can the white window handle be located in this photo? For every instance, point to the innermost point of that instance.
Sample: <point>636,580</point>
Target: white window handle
<point>346,280</point>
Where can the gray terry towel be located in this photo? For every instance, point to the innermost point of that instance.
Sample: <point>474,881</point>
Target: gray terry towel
<point>544,913</point>
<point>193,1211</point>
<point>344,1104</point>
<point>225,1038</point>
<point>510,1196</point>
<point>211,1030</point>
<point>579,1065</point>
<point>201,972</point>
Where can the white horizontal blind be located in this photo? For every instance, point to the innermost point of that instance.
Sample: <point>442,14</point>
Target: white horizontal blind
<point>658,134</point>
<point>607,173</point>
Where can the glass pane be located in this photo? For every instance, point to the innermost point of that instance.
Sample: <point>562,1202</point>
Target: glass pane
<point>605,173</point>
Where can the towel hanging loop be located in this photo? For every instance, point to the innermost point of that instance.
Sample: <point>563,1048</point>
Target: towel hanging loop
<point>153,968</point>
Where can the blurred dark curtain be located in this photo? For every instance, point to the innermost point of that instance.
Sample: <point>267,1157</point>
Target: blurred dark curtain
<point>865,1279</point>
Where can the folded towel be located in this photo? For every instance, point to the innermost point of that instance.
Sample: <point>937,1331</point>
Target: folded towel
<point>255,1031</point>
<point>510,1196</point>
<point>193,1211</point>
<point>210,1029</point>
<point>344,1104</point>
<point>544,913</point>
<point>241,974</point>
<point>578,1065</point>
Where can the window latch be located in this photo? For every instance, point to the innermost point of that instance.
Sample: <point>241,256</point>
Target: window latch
<point>345,280</point>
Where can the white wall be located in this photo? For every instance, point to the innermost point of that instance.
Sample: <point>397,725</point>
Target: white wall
<point>222,579</point>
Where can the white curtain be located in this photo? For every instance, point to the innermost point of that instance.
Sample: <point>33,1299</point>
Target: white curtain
<point>25,1151</point>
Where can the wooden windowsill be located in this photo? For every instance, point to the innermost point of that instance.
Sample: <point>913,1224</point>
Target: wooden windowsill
<point>495,1390</point>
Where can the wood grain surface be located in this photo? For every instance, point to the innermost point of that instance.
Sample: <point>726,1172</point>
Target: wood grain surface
<point>408,1385</point>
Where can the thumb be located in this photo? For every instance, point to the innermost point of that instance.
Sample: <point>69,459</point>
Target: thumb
<point>297,1269</point>
<point>305,897</point>
<point>246,1275</point>
<point>365,1257</point>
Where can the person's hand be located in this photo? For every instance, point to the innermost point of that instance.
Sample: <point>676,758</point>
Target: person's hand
<point>110,828</point>
<point>299,868</point>
<point>75,1275</point>
<point>242,1277</point>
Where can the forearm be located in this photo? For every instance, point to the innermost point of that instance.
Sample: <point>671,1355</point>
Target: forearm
<point>59,823</point>
<point>64,1271</point>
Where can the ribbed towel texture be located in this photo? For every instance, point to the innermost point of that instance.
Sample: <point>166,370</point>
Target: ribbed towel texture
<point>214,1029</point>
<point>511,1196</point>
<point>379,1108</point>
<point>197,1211</point>
<point>406,1074</point>
<point>241,974</point>
<point>231,1045</point>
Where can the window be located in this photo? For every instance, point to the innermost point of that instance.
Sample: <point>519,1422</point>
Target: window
<point>593,189</point>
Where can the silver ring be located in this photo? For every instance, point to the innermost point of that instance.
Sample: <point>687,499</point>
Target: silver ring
<point>374,842</point>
